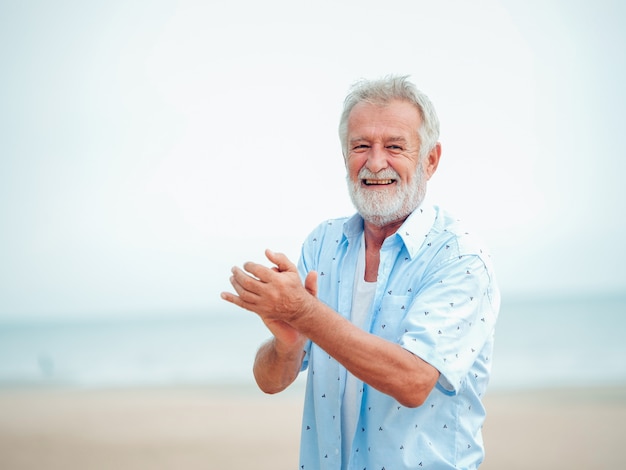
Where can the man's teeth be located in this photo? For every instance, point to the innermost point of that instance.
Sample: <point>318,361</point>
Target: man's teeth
<point>370,182</point>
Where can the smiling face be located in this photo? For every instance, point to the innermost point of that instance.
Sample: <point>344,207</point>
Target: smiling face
<point>386,178</point>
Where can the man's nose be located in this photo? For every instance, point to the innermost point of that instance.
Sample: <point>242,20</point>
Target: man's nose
<point>377,159</point>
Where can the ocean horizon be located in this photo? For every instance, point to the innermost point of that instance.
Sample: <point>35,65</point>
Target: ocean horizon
<point>553,342</point>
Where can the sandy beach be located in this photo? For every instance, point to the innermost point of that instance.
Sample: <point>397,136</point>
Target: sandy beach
<point>212,428</point>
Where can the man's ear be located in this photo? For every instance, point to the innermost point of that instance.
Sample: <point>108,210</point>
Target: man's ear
<point>432,161</point>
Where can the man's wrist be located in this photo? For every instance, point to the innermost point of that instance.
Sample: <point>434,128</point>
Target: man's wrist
<point>288,351</point>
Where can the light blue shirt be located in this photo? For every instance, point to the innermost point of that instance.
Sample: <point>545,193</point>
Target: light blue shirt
<point>436,296</point>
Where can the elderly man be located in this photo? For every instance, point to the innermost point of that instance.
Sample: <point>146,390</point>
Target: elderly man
<point>392,310</point>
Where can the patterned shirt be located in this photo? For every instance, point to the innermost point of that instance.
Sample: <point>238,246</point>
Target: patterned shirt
<point>436,296</point>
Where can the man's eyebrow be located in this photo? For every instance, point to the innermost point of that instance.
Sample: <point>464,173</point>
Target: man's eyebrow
<point>396,139</point>
<point>390,139</point>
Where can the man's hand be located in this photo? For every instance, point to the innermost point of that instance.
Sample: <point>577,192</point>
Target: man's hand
<point>276,294</point>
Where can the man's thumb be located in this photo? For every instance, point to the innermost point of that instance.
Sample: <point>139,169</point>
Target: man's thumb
<point>310,283</point>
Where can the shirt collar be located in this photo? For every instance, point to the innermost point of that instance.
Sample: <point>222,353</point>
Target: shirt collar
<point>416,227</point>
<point>412,232</point>
<point>353,227</point>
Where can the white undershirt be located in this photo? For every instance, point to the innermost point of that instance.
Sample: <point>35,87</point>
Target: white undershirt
<point>362,297</point>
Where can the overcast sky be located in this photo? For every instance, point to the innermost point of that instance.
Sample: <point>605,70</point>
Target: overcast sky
<point>148,146</point>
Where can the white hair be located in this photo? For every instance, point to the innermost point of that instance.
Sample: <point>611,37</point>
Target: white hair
<point>382,92</point>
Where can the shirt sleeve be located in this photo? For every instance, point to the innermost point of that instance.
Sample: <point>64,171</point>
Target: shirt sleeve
<point>305,265</point>
<point>451,318</point>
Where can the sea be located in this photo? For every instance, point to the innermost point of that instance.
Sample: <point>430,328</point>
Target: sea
<point>575,341</point>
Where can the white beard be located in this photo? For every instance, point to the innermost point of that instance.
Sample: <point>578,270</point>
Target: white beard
<point>382,206</point>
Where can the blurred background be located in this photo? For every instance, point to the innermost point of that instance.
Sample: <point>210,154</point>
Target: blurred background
<point>147,147</point>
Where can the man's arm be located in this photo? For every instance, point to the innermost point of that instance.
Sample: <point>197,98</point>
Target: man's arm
<point>276,366</point>
<point>384,365</point>
<point>277,295</point>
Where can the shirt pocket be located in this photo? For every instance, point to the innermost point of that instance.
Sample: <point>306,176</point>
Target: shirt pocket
<point>388,318</point>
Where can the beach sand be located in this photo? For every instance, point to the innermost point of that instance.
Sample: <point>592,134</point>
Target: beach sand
<point>212,428</point>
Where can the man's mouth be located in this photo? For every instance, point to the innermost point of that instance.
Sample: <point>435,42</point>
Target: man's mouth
<point>376,182</point>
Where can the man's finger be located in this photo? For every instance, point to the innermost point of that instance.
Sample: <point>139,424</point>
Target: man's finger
<point>243,297</point>
<point>245,284</point>
<point>233,299</point>
<point>260,272</point>
<point>281,261</point>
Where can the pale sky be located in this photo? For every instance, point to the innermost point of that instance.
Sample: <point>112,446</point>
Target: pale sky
<point>146,147</point>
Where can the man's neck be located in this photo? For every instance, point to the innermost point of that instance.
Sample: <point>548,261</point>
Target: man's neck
<point>374,238</point>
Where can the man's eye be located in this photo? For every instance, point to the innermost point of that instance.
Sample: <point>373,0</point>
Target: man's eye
<point>394,147</point>
<point>360,147</point>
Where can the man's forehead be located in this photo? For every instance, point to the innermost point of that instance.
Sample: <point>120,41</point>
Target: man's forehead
<point>395,111</point>
<point>397,122</point>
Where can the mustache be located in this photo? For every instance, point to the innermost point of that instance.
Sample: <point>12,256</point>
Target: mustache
<point>387,173</point>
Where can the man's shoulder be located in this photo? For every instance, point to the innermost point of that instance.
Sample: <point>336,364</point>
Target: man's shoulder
<point>334,227</point>
<point>453,230</point>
